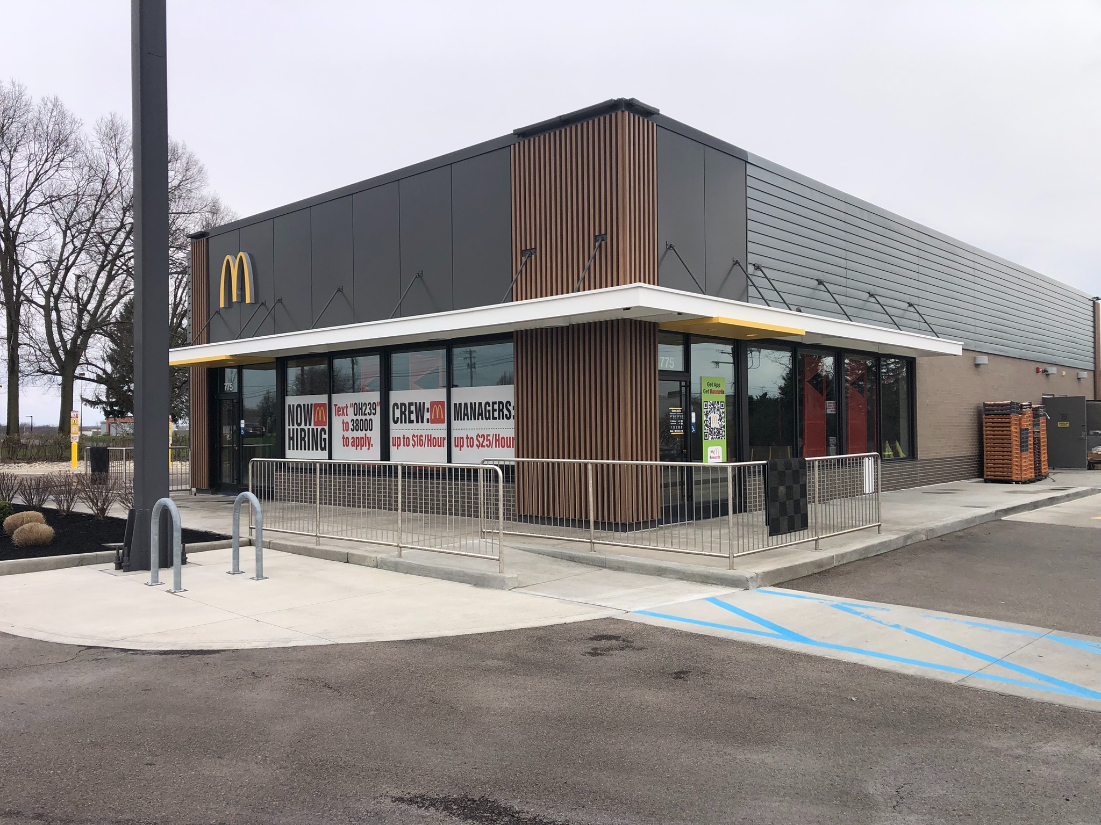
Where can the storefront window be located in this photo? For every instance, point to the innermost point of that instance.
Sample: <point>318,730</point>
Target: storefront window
<point>771,386</point>
<point>711,424</point>
<point>306,419</point>
<point>860,404</point>
<point>418,406</point>
<point>258,409</point>
<point>483,404</point>
<point>670,352</point>
<point>308,376</point>
<point>897,429</point>
<point>818,404</point>
<point>482,365</point>
<point>357,384</point>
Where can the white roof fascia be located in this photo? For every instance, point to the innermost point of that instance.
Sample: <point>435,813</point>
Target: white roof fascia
<point>637,301</point>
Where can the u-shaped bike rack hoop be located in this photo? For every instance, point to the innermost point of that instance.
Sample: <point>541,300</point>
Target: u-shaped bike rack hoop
<point>258,541</point>
<point>155,550</point>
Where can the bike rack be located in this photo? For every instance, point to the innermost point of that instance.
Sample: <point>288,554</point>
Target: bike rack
<point>258,541</point>
<point>155,550</point>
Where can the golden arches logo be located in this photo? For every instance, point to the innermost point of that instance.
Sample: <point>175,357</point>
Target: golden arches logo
<point>243,264</point>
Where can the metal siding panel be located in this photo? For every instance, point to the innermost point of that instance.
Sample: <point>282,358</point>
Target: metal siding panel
<point>725,209</point>
<point>425,209</point>
<point>800,233</point>
<point>258,240</point>
<point>481,209</point>
<point>681,210</point>
<point>331,259</point>
<point>376,252</point>
<point>227,322</point>
<point>293,272</point>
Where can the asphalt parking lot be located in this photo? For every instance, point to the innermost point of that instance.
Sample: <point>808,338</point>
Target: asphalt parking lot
<point>592,722</point>
<point>1039,572</point>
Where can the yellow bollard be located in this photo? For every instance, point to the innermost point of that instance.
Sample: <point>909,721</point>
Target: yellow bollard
<point>75,450</point>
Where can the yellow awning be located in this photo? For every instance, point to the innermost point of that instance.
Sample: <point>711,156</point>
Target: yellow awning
<point>730,328</point>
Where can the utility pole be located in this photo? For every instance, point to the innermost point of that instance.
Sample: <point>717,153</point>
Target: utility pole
<point>149,85</point>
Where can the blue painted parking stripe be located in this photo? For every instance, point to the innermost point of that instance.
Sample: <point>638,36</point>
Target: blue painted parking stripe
<point>791,594</point>
<point>1082,644</point>
<point>786,635</point>
<point>783,632</point>
<point>1076,690</point>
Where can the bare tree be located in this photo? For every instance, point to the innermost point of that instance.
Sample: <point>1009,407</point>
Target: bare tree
<point>36,148</point>
<point>82,266</point>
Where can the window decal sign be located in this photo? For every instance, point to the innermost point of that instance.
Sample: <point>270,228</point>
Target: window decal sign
<point>713,396</point>
<point>483,423</point>
<point>356,426</point>
<point>306,426</point>
<point>418,425</point>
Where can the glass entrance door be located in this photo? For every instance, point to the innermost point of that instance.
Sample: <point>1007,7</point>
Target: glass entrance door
<point>672,412</point>
<point>229,441</point>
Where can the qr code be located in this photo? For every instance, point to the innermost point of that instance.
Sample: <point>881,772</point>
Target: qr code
<point>714,420</point>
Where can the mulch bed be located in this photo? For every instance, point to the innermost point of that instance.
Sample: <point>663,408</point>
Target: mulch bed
<point>81,533</point>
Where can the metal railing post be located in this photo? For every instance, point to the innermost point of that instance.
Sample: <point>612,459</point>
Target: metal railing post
<point>258,541</point>
<point>817,538</point>
<point>481,503</point>
<point>399,511</point>
<point>317,501</point>
<point>155,549</point>
<point>730,516</point>
<point>500,520</point>
<point>878,489</point>
<point>592,509</point>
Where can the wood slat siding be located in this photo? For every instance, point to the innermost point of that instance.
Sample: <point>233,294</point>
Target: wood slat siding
<point>572,184</point>
<point>587,391</point>
<point>199,385</point>
<point>800,230</point>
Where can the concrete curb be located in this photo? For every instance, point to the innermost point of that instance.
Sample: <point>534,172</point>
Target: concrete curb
<point>478,578</point>
<point>739,579</point>
<point>13,567</point>
<point>747,579</point>
<point>389,561</point>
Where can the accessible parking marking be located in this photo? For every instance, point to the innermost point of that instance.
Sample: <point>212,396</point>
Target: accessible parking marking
<point>1026,661</point>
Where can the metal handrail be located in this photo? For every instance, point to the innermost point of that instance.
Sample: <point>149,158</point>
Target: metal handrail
<point>355,504</point>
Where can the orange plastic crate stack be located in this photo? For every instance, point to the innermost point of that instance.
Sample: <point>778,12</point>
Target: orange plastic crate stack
<point>1007,442</point>
<point>1039,440</point>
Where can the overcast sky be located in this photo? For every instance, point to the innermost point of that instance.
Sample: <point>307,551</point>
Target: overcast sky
<point>979,119</point>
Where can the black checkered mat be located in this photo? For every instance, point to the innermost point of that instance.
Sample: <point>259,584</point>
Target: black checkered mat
<point>786,495</point>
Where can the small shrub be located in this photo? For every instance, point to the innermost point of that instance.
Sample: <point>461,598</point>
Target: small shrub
<point>13,523</point>
<point>125,491</point>
<point>9,486</point>
<point>36,490</point>
<point>33,535</point>
<point>98,494</point>
<point>65,492</point>
<point>5,510</point>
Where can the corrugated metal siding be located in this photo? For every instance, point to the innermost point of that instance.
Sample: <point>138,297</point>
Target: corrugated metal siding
<point>799,231</point>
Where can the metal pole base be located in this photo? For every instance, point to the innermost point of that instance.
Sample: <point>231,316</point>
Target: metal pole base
<point>154,584</point>
<point>258,578</point>
<point>235,572</point>
<point>181,590</point>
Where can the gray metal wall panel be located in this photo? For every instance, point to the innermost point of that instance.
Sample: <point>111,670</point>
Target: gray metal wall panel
<point>481,209</point>
<point>331,256</point>
<point>681,210</point>
<point>799,231</point>
<point>377,252</point>
<point>226,323</point>
<point>725,209</point>
<point>293,271</point>
<point>258,240</point>
<point>425,208</point>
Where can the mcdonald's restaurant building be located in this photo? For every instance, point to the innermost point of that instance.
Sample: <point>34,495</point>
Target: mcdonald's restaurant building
<point>588,287</point>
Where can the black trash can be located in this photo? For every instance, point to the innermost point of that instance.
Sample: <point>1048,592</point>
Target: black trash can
<point>100,460</point>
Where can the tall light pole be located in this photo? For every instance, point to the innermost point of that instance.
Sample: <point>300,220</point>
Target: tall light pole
<point>149,83</point>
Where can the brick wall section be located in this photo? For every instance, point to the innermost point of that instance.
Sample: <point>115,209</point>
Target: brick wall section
<point>950,392</point>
